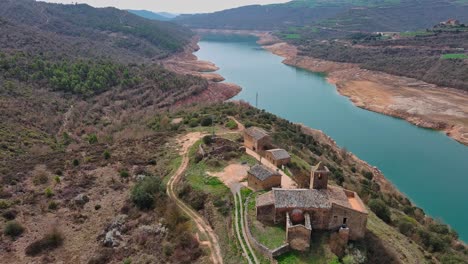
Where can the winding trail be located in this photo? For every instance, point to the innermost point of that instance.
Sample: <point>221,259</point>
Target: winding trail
<point>202,226</point>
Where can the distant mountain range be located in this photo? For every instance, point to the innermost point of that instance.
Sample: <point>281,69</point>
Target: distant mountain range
<point>347,15</point>
<point>162,16</point>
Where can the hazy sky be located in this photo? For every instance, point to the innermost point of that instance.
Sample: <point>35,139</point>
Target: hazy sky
<point>174,6</point>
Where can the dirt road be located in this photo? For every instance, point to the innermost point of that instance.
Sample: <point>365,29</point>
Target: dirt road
<point>213,243</point>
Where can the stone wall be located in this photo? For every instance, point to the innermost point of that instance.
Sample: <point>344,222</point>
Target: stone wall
<point>269,253</point>
<point>258,185</point>
<point>356,221</point>
<point>298,236</point>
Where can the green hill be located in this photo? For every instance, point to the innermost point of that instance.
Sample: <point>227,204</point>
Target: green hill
<point>162,16</point>
<point>348,15</point>
<point>121,29</point>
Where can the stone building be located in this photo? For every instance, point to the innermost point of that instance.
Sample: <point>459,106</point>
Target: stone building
<point>324,207</point>
<point>278,157</point>
<point>256,139</point>
<point>260,177</point>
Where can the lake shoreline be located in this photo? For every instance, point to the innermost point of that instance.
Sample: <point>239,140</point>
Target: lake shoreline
<point>186,62</point>
<point>421,104</point>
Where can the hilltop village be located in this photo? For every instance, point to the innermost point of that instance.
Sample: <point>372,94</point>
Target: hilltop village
<point>320,207</point>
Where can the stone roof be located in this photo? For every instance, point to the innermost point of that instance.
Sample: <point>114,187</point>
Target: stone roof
<point>313,198</point>
<point>279,154</point>
<point>256,132</point>
<point>301,198</point>
<point>262,173</point>
<point>265,199</point>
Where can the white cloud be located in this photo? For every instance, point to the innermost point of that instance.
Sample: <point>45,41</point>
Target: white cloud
<point>174,6</point>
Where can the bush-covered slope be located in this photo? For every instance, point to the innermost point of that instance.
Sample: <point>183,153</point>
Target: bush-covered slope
<point>109,25</point>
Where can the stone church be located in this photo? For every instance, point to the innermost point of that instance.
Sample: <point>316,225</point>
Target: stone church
<point>321,207</point>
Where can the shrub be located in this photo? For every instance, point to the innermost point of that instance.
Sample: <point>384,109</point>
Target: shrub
<point>49,242</point>
<point>4,204</point>
<point>41,175</point>
<point>439,228</point>
<point>76,162</point>
<point>380,209</point>
<point>193,122</point>
<point>48,192</point>
<point>145,191</point>
<point>53,205</point>
<point>368,175</point>
<point>97,207</point>
<point>13,229</point>
<point>231,124</point>
<point>206,121</point>
<point>353,169</point>
<point>57,179</point>
<point>9,215</point>
<point>107,155</point>
<point>127,261</point>
<point>406,225</point>
<point>92,139</point>
<point>124,174</point>
<point>207,140</point>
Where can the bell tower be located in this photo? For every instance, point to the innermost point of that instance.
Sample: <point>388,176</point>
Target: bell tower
<point>319,177</point>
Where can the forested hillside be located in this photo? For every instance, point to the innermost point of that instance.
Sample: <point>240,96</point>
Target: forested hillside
<point>361,15</point>
<point>114,28</point>
<point>79,87</point>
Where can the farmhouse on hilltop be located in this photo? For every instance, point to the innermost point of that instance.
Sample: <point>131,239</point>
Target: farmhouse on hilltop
<point>321,207</point>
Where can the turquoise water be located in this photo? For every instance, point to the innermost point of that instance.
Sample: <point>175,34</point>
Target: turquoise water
<point>428,166</point>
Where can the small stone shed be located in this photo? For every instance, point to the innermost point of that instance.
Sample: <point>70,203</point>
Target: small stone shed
<point>256,139</point>
<point>278,157</point>
<point>260,177</point>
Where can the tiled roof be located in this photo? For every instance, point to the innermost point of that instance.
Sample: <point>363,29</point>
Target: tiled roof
<point>262,173</point>
<point>310,198</point>
<point>301,198</point>
<point>265,199</point>
<point>279,154</point>
<point>256,133</point>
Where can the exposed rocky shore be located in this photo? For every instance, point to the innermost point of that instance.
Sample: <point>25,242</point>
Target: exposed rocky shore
<point>418,102</point>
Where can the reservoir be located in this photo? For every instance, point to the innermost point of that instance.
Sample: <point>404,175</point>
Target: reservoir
<point>429,167</point>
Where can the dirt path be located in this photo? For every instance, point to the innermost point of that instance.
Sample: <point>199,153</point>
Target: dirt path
<point>213,243</point>
<point>238,218</point>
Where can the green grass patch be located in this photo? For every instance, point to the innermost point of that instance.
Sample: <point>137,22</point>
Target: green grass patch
<point>319,252</point>
<point>292,36</point>
<point>272,236</point>
<point>248,159</point>
<point>415,33</point>
<point>455,56</point>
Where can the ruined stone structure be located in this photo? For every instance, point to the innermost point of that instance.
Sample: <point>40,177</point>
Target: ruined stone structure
<point>256,139</point>
<point>324,207</point>
<point>278,157</point>
<point>260,177</point>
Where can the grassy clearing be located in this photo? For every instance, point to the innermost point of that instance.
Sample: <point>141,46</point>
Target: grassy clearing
<point>248,159</point>
<point>319,252</point>
<point>455,56</point>
<point>271,236</point>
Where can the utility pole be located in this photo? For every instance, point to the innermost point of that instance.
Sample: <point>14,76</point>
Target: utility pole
<point>256,100</point>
